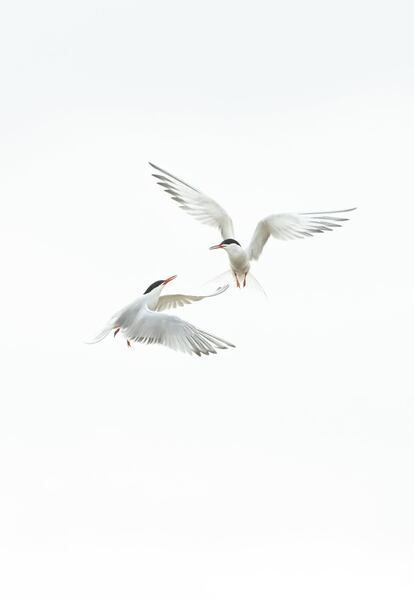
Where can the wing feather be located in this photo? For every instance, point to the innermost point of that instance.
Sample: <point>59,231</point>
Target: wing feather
<point>195,202</point>
<point>294,226</point>
<point>173,332</point>
<point>166,302</point>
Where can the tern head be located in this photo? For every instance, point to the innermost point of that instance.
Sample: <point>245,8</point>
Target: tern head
<point>225,244</point>
<point>159,284</point>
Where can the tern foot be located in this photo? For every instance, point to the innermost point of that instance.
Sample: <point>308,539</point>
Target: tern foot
<point>116,331</point>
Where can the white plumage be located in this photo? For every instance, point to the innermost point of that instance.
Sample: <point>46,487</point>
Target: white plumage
<point>140,321</point>
<point>281,226</point>
<point>195,202</point>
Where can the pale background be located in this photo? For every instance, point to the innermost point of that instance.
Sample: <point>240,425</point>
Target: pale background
<point>283,468</point>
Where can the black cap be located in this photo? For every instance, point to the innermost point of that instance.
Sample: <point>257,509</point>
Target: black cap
<point>153,286</point>
<point>229,241</point>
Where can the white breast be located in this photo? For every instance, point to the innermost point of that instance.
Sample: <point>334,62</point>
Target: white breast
<point>238,259</point>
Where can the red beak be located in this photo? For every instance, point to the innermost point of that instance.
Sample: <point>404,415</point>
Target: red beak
<point>216,247</point>
<point>169,279</point>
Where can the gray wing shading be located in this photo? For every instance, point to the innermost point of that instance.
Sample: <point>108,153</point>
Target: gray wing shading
<point>167,302</point>
<point>294,226</point>
<point>195,202</point>
<point>175,333</point>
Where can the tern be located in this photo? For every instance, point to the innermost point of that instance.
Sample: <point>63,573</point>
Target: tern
<point>281,226</point>
<point>140,321</point>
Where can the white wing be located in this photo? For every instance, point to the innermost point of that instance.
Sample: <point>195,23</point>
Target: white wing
<point>195,202</point>
<point>175,333</point>
<point>166,302</point>
<point>293,226</point>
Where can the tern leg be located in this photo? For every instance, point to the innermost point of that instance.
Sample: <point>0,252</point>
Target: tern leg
<point>244,281</point>
<point>128,343</point>
<point>117,331</point>
<point>237,280</point>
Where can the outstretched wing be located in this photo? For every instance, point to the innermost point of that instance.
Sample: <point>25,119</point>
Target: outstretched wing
<point>294,226</point>
<point>167,302</point>
<point>175,333</point>
<point>195,202</point>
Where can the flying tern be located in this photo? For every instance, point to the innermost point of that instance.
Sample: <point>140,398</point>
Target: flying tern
<point>281,226</point>
<point>140,321</point>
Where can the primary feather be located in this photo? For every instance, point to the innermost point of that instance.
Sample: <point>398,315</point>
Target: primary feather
<point>293,226</point>
<point>166,302</point>
<point>175,333</point>
<point>195,202</point>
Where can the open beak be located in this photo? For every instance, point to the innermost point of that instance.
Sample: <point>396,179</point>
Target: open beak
<point>169,279</point>
<point>216,247</point>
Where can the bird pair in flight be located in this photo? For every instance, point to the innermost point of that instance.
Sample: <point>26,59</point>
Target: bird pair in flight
<point>141,320</point>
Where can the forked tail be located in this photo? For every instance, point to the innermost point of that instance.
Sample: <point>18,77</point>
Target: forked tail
<point>100,336</point>
<point>253,283</point>
<point>227,277</point>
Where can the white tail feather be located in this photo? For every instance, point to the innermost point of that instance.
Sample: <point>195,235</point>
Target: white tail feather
<point>100,336</point>
<point>228,277</point>
<point>253,283</point>
<point>224,278</point>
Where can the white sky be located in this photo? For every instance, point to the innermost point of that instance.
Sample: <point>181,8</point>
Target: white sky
<point>283,468</point>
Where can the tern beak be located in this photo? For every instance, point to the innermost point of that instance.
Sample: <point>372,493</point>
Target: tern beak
<point>216,247</point>
<point>169,279</point>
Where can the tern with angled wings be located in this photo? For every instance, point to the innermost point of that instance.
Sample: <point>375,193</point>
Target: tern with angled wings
<point>281,226</point>
<point>142,322</point>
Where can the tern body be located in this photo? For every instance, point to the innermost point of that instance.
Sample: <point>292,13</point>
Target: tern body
<point>238,258</point>
<point>294,225</point>
<point>141,321</point>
